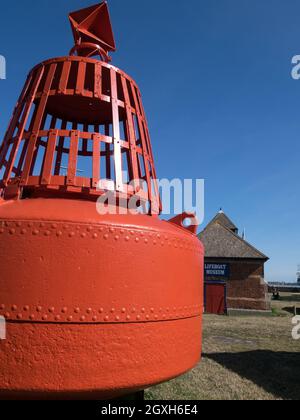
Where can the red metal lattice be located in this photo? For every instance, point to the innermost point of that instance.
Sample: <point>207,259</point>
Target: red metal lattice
<point>117,298</point>
<point>79,115</point>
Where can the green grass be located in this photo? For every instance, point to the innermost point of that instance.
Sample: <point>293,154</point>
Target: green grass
<point>243,358</point>
<point>285,306</point>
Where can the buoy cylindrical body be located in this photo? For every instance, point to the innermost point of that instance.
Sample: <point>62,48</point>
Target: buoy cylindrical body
<point>96,305</point>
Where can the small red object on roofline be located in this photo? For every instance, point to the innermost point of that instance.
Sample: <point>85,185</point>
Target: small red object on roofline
<point>93,32</point>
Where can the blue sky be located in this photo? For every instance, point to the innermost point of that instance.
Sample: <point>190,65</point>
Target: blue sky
<point>216,82</point>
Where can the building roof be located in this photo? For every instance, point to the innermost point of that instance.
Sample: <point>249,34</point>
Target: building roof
<point>221,240</point>
<point>222,218</point>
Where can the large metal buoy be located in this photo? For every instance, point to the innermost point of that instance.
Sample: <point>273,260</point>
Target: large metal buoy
<point>96,305</point>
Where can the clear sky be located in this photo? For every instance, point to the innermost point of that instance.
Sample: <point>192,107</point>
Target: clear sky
<point>216,82</point>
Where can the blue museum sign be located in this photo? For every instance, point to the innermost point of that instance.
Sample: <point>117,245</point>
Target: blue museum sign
<point>220,271</point>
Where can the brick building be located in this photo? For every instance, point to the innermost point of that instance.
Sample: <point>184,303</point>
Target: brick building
<point>229,258</point>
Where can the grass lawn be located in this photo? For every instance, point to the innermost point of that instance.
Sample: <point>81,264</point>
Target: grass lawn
<point>286,303</point>
<point>243,358</point>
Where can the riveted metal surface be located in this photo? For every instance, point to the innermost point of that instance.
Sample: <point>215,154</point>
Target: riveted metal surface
<point>96,306</point>
<point>110,256</point>
<point>95,361</point>
<point>74,281</point>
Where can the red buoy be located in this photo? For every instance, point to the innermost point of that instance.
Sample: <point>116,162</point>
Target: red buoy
<point>96,306</point>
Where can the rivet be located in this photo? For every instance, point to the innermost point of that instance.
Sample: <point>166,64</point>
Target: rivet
<point>123,310</point>
<point>106,237</point>
<point>132,232</point>
<point>70,318</point>
<point>71,234</point>
<point>31,317</point>
<point>64,310</point>
<point>113,310</point>
<point>146,241</point>
<point>12,231</point>
<point>112,230</point>
<point>89,311</point>
<point>59,233</point>
<point>57,318</point>
<point>143,310</point>
<point>35,232</point>
<point>101,310</point>
<point>138,318</point>
<point>95,236</point>
<point>128,317</point>
<point>133,310</point>
<point>44,317</point>
<point>51,310</point>
<point>147,317</point>
<point>30,225</point>
<point>152,310</point>
<point>89,229</point>
<point>77,310</point>
<point>14,308</point>
<point>26,308</point>
<point>19,224</point>
<point>106,318</point>
<point>154,242</point>
<point>94,318</point>
<point>122,231</point>
<point>137,240</point>
<point>83,235</point>
<point>47,233</point>
<point>19,316</point>
<point>117,318</point>
<point>1,231</point>
<point>42,225</point>
<point>66,227</point>
<point>7,315</point>
<point>156,317</point>
<point>127,239</point>
<point>117,238</point>
<point>23,231</point>
<point>82,319</point>
<point>54,226</point>
<point>2,307</point>
<point>39,309</point>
